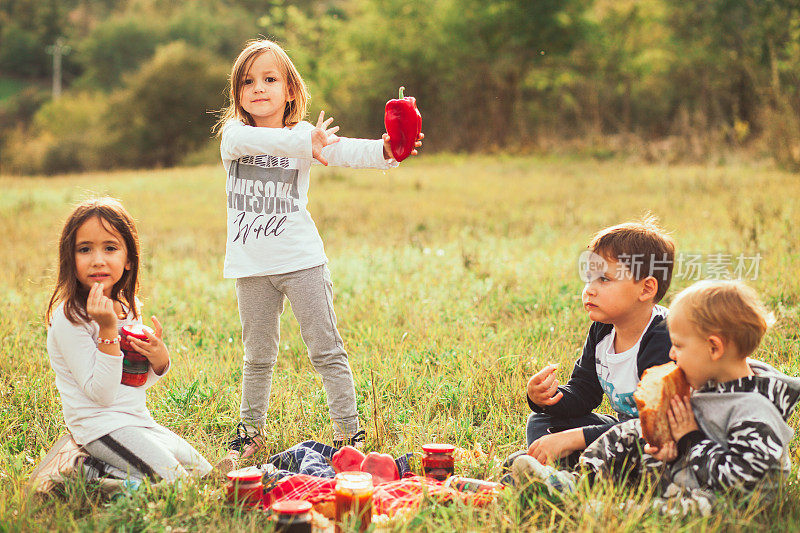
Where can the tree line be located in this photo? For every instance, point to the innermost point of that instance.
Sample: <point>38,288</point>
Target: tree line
<point>143,78</point>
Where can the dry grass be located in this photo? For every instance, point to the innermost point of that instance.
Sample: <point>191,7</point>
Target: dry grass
<point>455,278</point>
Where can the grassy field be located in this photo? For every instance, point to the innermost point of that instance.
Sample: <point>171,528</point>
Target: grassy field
<point>454,278</point>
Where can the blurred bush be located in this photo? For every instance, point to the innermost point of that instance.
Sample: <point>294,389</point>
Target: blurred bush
<point>116,47</point>
<point>164,112</point>
<point>647,78</point>
<point>167,108</point>
<point>21,52</point>
<point>66,135</point>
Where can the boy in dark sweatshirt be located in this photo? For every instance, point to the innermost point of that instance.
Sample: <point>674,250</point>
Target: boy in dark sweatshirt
<point>733,432</point>
<point>627,270</point>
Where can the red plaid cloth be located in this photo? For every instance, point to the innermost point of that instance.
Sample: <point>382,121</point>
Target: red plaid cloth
<point>387,498</point>
<point>407,493</point>
<point>301,487</point>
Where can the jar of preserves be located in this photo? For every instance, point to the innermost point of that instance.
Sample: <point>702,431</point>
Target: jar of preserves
<point>245,487</point>
<point>437,461</point>
<point>353,501</point>
<point>134,365</point>
<point>292,516</point>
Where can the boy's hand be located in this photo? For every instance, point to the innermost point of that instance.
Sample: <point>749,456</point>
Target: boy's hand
<point>387,145</point>
<point>322,136</point>
<point>100,308</point>
<point>543,387</point>
<point>666,454</point>
<point>153,348</point>
<point>557,445</point>
<point>681,417</point>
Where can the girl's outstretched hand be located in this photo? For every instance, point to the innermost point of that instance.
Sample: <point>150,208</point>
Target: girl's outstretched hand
<point>322,136</point>
<point>100,308</point>
<point>387,145</point>
<point>153,348</point>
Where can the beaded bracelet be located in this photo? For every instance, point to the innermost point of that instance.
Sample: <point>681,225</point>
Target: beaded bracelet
<point>115,340</point>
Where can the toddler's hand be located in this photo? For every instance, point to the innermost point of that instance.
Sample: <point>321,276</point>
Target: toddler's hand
<point>666,454</point>
<point>681,417</point>
<point>548,448</point>
<point>322,136</point>
<point>100,308</point>
<point>153,348</point>
<point>387,145</point>
<point>543,387</point>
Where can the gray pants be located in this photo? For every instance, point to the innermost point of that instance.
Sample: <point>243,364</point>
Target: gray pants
<point>156,453</point>
<point>310,293</point>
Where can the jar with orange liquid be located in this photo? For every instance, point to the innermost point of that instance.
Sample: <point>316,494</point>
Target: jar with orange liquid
<point>353,500</point>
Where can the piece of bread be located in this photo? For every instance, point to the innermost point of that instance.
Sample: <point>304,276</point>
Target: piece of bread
<point>658,386</point>
<point>326,508</point>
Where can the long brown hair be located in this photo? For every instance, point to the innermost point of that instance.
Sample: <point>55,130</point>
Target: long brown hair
<point>69,290</point>
<point>295,108</point>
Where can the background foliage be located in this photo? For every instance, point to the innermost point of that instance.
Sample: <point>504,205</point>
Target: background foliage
<point>654,79</point>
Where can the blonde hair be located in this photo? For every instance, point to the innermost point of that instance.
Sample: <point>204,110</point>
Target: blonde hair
<point>298,94</point>
<point>729,309</point>
<point>642,246</point>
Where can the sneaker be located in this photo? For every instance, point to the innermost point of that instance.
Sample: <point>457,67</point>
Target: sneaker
<point>356,440</point>
<point>506,467</point>
<point>526,469</point>
<point>241,447</point>
<point>63,458</point>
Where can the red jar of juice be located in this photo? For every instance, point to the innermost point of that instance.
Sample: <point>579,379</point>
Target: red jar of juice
<point>437,461</point>
<point>353,501</point>
<point>134,364</point>
<point>292,516</point>
<point>245,487</point>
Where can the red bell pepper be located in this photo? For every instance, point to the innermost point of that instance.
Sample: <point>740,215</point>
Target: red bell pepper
<point>381,466</point>
<point>403,124</point>
<point>347,459</point>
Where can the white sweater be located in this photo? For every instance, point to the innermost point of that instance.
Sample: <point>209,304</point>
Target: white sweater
<point>94,401</point>
<point>270,230</point>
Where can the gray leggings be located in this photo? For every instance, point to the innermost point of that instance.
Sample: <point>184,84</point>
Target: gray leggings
<point>156,453</point>
<point>260,306</point>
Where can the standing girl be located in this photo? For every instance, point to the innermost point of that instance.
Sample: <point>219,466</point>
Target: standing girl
<point>95,296</point>
<point>273,248</point>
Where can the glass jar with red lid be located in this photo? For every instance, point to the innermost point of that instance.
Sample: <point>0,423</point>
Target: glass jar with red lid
<point>437,461</point>
<point>353,501</point>
<point>245,487</point>
<point>292,516</point>
<point>134,365</point>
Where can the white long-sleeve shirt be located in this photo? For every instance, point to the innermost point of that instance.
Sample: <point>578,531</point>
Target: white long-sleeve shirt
<point>94,401</point>
<point>270,230</point>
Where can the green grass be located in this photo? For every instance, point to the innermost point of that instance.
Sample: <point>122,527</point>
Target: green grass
<point>454,278</point>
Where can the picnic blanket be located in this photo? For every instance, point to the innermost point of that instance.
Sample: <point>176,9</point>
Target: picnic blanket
<point>314,459</point>
<point>304,473</point>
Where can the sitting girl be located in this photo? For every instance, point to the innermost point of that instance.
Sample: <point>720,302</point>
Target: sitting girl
<point>95,296</point>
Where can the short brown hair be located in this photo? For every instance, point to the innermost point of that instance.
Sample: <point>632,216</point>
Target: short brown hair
<point>642,246</point>
<point>114,217</point>
<point>295,109</point>
<point>729,309</point>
